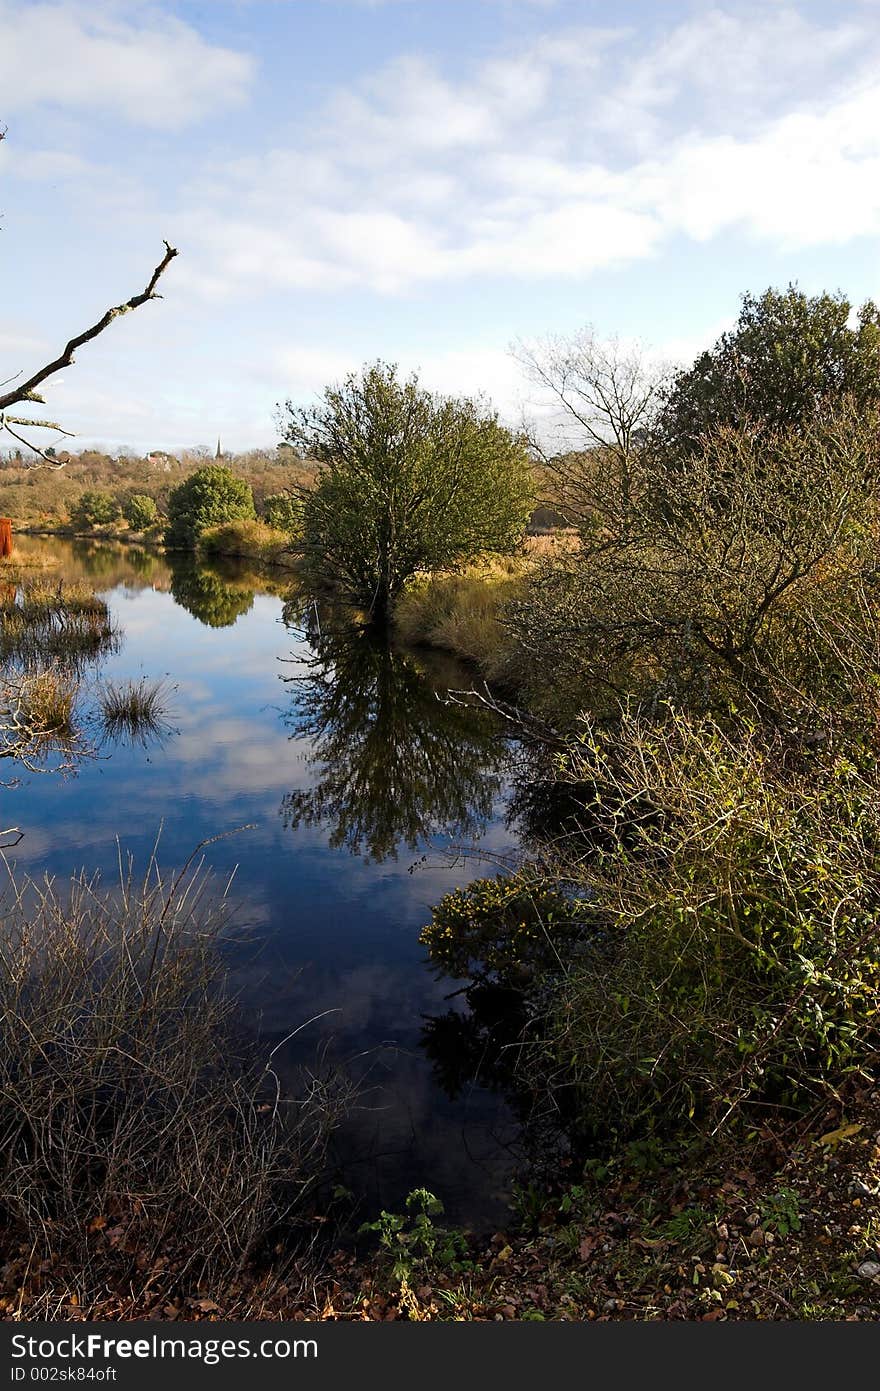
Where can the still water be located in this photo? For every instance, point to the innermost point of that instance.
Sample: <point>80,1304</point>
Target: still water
<point>359,784</point>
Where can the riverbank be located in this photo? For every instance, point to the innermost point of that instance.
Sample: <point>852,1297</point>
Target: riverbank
<point>783,1227</point>
<point>463,612</point>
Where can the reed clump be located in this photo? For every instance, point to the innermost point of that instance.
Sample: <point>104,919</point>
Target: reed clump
<point>136,1117</point>
<point>47,702</point>
<point>462,612</point>
<point>134,710</point>
<point>41,621</point>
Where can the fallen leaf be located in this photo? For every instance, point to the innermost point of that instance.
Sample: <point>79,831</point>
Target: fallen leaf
<point>833,1137</point>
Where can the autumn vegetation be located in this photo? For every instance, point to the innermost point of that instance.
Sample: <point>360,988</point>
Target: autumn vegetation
<point>685,955</point>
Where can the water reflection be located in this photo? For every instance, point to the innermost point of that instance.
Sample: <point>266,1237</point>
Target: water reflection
<point>207,595</point>
<point>321,929</point>
<point>392,765</point>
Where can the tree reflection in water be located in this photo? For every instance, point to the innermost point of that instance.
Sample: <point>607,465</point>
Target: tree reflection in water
<point>395,764</point>
<point>207,595</point>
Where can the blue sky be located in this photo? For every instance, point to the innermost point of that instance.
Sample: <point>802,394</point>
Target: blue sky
<point>421,180</point>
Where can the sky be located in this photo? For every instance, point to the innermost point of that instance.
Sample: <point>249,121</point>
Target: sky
<point>422,181</point>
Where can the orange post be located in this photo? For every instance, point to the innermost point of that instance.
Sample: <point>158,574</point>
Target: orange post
<point>5,536</point>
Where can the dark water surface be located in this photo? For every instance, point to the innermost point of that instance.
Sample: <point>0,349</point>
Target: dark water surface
<point>358,780</point>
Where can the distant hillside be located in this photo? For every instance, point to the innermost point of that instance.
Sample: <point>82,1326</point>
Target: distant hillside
<point>35,497</point>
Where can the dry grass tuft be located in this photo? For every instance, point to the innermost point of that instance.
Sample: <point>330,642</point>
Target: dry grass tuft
<point>461,612</point>
<point>134,711</point>
<point>250,539</point>
<point>42,621</point>
<point>134,1116</point>
<point>47,702</point>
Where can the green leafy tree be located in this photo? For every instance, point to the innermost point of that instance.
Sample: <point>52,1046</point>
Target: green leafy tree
<point>140,511</point>
<point>94,509</point>
<point>209,496</point>
<point>284,512</point>
<point>407,481</point>
<point>788,356</point>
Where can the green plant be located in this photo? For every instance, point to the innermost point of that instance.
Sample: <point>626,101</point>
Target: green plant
<point>407,481</point>
<point>787,354</point>
<point>284,512</point>
<point>736,896</point>
<point>413,1241</point>
<point>140,511</point>
<point>94,509</point>
<point>209,496</point>
<point>780,1212</point>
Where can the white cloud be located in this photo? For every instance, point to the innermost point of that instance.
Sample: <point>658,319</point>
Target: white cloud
<point>577,152</point>
<point>146,67</point>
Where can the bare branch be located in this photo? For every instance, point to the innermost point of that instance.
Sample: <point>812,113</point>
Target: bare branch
<point>27,390</point>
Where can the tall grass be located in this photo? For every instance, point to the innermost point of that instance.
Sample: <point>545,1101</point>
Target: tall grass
<point>250,539</point>
<point>136,1120</point>
<point>65,623</point>
<point>461,613</point>
<point>134,711</point>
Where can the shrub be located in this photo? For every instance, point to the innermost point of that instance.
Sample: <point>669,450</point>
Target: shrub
<point>284,512</point>
<point>94,509</point>
<point>132,1115</point>
<point>731,583</point>
<point>208,497</point>
<point>140,511</point>
<point>737,900</point>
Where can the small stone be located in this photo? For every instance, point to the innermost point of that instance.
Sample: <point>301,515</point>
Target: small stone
<point>756,1237</point>
<point>723,1231</point>
<point>869,1270</point>
<point>753,1219</point>
<point>860,1189</point>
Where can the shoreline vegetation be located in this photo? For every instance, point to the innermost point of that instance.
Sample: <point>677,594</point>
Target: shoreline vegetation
<point>677,983</point>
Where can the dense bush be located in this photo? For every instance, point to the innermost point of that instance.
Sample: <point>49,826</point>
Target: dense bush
<point>737,887</point>
<point>209,496</point>
<point>733,581</point>
<point>94,509</point>
<point>284,512</point>
<point>407,481</point>
<point>140,511</point>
